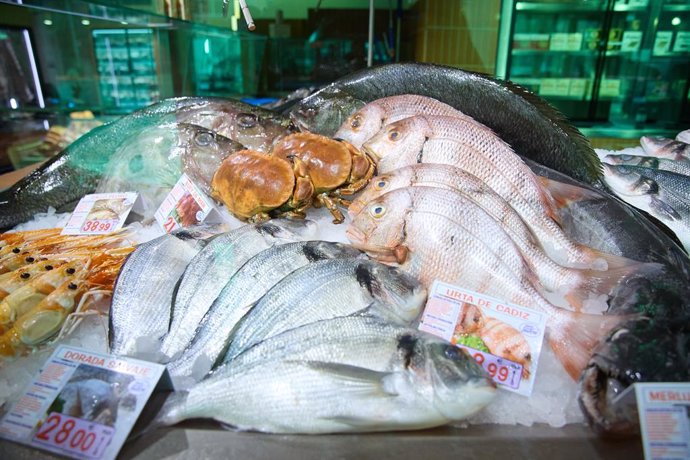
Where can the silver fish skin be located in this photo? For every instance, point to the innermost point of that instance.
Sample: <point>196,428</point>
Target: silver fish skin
<point>663,194</point>
<point>442,140</point>
<point>329,289</point>
<point>681,166</point>
<point>140,308</point>
<point>367,121</point>
<point>454,193</point>
<point>684,136</point>
<point>78,169</point>
<point>506,108</point>
<point>209,271</point>
<point>247,286</point>
<point>352,374</point>
<point>665,148</point>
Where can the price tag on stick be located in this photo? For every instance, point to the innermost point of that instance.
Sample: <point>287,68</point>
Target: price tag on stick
<point>81,404</point>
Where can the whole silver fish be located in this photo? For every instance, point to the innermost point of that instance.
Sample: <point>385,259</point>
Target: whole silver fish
<point>351,374</point>
<point>325,290</point>
<point>680,166</point>
<point>247,286</point>
<point>209,271</point>
<point>140,309</point>
<point>665,195</point>
<point>665,148</point>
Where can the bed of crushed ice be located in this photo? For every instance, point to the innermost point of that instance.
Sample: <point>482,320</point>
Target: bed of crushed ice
<point>553,400</point>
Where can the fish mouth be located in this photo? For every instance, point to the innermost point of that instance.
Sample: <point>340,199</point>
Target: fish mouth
<point>355,207</point>
<point>596,402</point>
<point>380,253</point>
<point>368,151</point>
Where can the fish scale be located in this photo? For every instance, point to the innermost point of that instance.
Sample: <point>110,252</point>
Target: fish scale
<point>339,375</point>
<point>210,270</point>
<point>143,292</point>
<point>318,291</point>
<point>245,287</point>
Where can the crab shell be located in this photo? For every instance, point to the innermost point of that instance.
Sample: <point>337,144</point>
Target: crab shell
<point>328,162</point>
<point>251,183</point>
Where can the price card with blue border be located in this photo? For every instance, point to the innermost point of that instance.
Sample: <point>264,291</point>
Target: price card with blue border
<point>664,411</point>
<point>81,404</point>
<point>505,338</point>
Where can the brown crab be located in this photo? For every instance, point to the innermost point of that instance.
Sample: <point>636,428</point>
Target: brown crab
<point>302,170</point>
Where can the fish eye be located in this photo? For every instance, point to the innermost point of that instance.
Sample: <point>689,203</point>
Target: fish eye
<point>626,157</point>
<point>377,211</point>
<point>393,135</point>
<point>247,120</point>
<point>204,139</point>
<point>356,122</point>
<point>380,184</point>
<point>453,353</point>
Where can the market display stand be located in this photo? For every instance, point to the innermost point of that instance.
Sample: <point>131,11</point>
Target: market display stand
<point>204,440</point>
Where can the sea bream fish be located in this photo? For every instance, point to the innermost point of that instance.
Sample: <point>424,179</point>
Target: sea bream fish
<point>465,191</point>
<point>477,150</point>
<point>404,227</point>
<point>209,271</point>
<point>508,109</point>
<point>328,289</point>
<point>368,121</point>
<point>661,147</point>
<point>247,285</point>
<point>140,308</point>
<point>77,170</point>
<point>663,194</point>
<point>352,374</point>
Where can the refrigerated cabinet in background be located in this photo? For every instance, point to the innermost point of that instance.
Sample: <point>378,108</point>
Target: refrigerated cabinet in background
<point>620,64</point>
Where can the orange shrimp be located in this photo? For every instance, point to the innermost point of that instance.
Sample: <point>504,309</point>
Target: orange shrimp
<point>11,281</point>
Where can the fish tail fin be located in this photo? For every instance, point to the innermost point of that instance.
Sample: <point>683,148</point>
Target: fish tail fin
<point>593,287</point>
<point>577,335</point>
<point>563,194</point>
<point>599,260</point>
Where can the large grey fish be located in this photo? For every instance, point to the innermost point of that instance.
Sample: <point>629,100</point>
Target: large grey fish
<point>77,170</point>
<point>153,161</point>
<point>655,344</point>
<point>508,109</point>
<point>329,289</point>
<point>140,308</point>
<point>350,374</point>
<point>663,194</point>
<point>248,285</point>
<point>665,148</point>
<point>209,271</point>
<point>680,166</point>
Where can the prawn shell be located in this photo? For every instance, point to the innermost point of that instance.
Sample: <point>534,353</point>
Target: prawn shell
<point>250,182</point>
<point>328,162</point>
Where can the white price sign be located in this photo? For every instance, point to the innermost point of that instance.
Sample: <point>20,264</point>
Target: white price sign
<point>100,213</point>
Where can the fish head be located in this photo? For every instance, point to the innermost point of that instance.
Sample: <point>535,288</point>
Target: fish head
<point>400,295</point>
<point>623,159</point>
<point>362,125</point>
<point>451,379</point>
<point>253,127</point>
<point>379,229</point>
<point>639,350</point>
<point>628,180</point>
<point>288,229</point>
<point>324,111</point>
<point>378,186</point>
<point>404,138</point>
<point>325,250</point>
<point>203,151</point>
<point>662,147</point>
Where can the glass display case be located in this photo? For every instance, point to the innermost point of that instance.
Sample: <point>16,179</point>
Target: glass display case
<point>609,63</point>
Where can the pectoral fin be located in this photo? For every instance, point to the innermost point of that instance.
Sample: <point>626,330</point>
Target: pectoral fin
<point>356,378</point>
<point>663,209</point>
